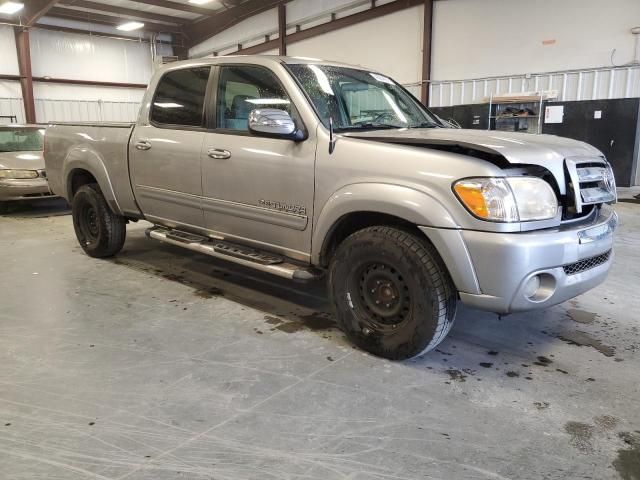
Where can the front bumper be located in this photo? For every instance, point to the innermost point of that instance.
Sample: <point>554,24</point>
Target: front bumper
<point>492,271</point>
<point>24,189</point>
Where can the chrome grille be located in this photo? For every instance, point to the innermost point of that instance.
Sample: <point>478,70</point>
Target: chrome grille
<point>586,264</point>
<point>590,182</point>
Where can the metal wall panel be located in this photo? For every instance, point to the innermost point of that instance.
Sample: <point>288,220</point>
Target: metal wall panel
<point>592,84</point>
<point>51,110</point>
<point>12,106</point>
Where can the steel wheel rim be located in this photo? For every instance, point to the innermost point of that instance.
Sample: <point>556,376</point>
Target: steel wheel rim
<point>383,296</point>
<point>89,224</point>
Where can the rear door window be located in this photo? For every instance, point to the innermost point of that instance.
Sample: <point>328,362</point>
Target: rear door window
<point>179,98</point>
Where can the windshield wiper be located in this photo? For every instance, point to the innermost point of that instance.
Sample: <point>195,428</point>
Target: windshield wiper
<point>367,126</point>
<point>426,125</point>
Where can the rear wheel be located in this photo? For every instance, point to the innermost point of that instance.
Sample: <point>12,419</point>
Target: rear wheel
<point>100,232</point>
<point>392,294</point>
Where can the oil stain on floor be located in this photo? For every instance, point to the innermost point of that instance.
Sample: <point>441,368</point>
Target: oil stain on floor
<point>627,464</point>
<point>313,321</point>
<point>582,339</point>
<point>581,316</point>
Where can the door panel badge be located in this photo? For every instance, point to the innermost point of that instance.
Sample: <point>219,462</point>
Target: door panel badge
<point>283,207</point>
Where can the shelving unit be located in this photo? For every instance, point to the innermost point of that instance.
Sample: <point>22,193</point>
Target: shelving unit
<point>528,116</point>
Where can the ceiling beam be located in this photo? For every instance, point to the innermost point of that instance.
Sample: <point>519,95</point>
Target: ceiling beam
<point>93,33</point>
<point>330,26</point>
<point>130,12</point>
<point>353,19</point>
<point>109,20</point>
<point>91,83</point>
<point>181,7</point>
<point>259,48</point>
<point>34,10</point>
<point>201,30</point>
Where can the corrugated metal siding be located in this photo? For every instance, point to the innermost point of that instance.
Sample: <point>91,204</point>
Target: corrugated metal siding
<point>49,110</point>
<point>12,106</point>
<point>592,84</point>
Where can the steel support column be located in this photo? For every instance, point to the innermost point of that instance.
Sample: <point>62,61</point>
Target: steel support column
<point>26,77</point>
<point>282,28</point>
<point>426,50</point>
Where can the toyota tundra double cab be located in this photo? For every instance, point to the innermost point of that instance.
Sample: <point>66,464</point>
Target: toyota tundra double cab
<point>303,168</point>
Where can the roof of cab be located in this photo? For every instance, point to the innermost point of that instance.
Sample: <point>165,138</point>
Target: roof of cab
<point>258,59</point>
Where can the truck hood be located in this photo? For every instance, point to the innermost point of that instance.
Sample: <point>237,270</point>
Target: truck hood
<point>21,160</point>
<point>548,151</point>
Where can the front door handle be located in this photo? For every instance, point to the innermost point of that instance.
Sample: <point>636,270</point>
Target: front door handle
<point>219,154</point>
<point>143,144</point>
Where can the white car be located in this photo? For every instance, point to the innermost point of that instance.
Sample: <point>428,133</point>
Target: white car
<point>22,173</point>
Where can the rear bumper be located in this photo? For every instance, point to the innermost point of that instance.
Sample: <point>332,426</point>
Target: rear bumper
<point>24,189</point>
<point>494,271</point>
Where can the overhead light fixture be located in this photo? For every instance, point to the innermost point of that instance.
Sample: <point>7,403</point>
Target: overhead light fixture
<point>127,27</point>
<point>200,2</point>
<point>11,7</point>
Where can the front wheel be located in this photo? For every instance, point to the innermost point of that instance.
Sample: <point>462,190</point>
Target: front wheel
<point>392,293</point>
<point>100,232</point>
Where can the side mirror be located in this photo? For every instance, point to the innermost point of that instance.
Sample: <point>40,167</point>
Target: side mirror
<point>272,122</point>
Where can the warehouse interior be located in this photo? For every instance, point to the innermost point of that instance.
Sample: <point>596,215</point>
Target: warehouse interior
<point>166,363</point>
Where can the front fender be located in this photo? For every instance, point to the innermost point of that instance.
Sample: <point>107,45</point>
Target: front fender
<point>403,202</point>
<point>84,158</point>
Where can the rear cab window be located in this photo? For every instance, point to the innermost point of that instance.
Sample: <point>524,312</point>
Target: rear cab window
<point>180,98</point>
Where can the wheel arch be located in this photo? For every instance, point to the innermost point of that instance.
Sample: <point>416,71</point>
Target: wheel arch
<point>83,166</point>
<point>362,205</point>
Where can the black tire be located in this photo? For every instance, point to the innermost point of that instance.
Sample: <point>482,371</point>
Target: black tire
<point>100,232</point>
<point>392,294</point>
<point>4,207</point>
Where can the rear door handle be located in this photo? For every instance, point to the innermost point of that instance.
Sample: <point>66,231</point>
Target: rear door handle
<point>219,154</point>
<point>143,144</point>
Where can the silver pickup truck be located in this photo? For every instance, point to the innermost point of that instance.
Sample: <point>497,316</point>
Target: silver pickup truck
<point>301,167</point>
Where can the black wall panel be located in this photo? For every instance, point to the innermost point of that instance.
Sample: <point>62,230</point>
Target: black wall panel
<point>615,134</point>
<point>472,116</point>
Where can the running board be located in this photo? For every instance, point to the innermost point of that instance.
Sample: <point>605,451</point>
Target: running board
<point>235,253</point>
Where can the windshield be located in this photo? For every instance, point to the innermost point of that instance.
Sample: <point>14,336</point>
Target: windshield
<point>21,140</point>
<point>357,99</point>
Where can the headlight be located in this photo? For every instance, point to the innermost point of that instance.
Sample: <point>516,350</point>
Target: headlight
<point>18,174</point>
<point>508,199</point>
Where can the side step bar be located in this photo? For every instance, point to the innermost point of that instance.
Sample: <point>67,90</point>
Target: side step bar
<point>248,257</point>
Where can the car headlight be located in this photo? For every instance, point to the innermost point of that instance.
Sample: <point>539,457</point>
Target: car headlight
<point>508,199</point>
<point>18,174</point>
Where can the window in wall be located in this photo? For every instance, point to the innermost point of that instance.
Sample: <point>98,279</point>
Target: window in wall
<point>244,88</point>
<point>179,98</point>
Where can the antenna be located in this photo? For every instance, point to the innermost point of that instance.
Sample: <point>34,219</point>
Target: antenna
<point>332,139</point>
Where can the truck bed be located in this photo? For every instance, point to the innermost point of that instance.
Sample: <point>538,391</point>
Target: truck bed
<point>98,148</point>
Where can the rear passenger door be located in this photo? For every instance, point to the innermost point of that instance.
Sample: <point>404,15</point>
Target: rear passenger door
<point>165,152</point>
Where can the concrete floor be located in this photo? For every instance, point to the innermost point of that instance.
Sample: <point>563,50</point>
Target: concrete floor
<point>163,364</point>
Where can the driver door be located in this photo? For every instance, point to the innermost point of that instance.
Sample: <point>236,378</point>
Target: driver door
<point>256,190</point>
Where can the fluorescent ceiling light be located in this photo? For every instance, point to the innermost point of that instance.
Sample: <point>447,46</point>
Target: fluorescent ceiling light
<point>127,27</point>
<point>11,7</point>
<point>200,2</point>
